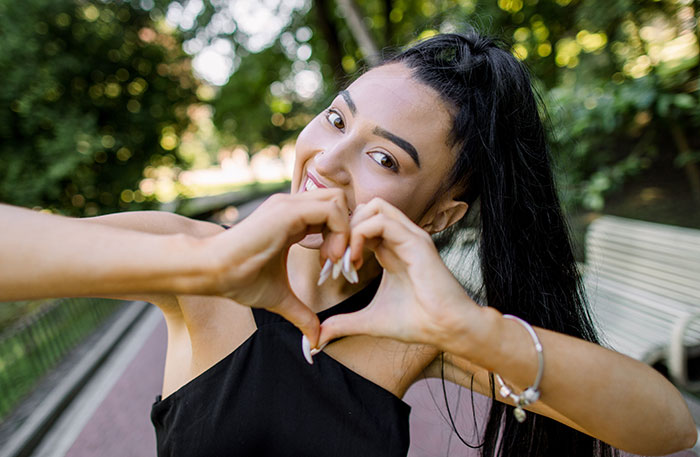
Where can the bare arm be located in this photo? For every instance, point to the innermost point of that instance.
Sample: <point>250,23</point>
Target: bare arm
<point>44,255</point>
<point>156,222</point>
<point>610,396</point>
<point>52,256</point>
<point>162,223</point>
<point>461,371</point>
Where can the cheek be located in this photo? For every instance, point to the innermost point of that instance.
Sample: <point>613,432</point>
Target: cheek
<point>403,196</point>
<point>304,150</point>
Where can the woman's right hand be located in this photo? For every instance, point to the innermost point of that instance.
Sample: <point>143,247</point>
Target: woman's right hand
<point>252,255</point>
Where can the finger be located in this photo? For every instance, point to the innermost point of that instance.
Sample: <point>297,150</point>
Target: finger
<point>340,325</point>
<point>320,194</point>
<point>328,214</point>
<point>379,229</point>
<point>377,206</point>
<point>333,246</point>
<point>301,316</point>
<point>309,209</point>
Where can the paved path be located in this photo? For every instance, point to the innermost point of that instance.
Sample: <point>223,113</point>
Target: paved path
<point>110,418</point>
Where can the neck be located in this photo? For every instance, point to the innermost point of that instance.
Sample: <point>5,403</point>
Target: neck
<point>303,266</point>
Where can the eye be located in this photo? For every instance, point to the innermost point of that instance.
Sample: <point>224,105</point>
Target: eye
<point>335,119</point>
<point>384,160</point>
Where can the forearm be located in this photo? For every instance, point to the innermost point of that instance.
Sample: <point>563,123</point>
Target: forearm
<point>156,222</point>
<point>51,256</point>
<point>613,397</point>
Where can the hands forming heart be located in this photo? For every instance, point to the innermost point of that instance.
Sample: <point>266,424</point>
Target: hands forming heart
<point>416,300</point>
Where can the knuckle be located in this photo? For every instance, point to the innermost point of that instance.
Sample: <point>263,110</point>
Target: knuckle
<point>275,199</point>
<point>378,202</point>
<point>336,191</point>
<point>332,208</point>
<point>309,320</point>
<point>382,218</point>
<point>339,198</point>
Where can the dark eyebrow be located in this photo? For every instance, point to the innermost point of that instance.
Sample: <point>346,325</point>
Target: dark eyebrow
<point>348,100</point>
<point>400,142</point>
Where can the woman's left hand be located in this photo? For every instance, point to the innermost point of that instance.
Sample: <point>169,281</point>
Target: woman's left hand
<point>418,300</point>
<point>626,403</point>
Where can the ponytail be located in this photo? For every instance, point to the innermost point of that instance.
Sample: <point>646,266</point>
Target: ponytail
<point>503,164</point>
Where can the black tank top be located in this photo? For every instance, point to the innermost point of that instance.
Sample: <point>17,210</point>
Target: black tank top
<point>263,399</point>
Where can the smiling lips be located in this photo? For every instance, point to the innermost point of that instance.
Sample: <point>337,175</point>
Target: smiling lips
<point>312,183</point>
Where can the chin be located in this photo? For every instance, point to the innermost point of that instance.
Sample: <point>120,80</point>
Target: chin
<point>312,241</point>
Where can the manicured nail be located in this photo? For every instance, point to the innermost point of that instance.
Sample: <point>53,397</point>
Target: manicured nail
<point>306,349</point>
<point>346,260</point>
<point>353,275</point>
<point>325,272</point>
<point>346,265</point>
<point>347,276</point>
<point>315,351</point>
<point>337,268</point>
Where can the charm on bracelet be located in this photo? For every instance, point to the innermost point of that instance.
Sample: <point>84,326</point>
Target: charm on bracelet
<point>532,393</point>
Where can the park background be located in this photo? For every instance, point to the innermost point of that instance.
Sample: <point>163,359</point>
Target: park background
<point>155,104</point>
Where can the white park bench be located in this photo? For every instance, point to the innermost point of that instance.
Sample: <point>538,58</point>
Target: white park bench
<point>643,282</point>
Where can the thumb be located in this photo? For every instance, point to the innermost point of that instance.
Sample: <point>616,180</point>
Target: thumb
<point>301,316</point>
<point>340,325</point>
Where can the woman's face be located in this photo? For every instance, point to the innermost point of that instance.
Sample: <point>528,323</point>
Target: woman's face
<point>385,136</point>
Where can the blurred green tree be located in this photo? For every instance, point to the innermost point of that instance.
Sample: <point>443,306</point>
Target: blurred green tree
<point>621,79</point>
<point>92,92</point>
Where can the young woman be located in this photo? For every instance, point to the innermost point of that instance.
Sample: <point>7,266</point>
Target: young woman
<point>404,152</point>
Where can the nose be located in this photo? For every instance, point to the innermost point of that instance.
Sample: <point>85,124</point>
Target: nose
<point>336,161</point>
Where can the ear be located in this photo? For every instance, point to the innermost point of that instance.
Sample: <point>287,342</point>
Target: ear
<point>443,215</point>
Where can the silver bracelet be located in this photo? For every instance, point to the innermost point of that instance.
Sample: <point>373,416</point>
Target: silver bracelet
<point>532,393</point>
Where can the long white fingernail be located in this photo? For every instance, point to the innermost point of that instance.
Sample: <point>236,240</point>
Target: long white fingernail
<point>306,349</point>
<point>346,265</point>
<point>348,276</point>
<point>325,272</point>
<point>346,260</point>
<point>353,275</point>
<point>315,351</point>
<point>337,268</point>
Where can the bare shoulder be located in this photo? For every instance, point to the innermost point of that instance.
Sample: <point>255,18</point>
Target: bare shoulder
<point>157,222</point>
<point>216,326</point>
<point>203,331</point>
<point>391,364</point>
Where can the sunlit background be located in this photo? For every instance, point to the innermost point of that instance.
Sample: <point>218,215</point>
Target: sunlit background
<point>132,104</point>
<point>193,106</point>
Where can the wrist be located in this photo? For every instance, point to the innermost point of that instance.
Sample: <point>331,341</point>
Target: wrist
<point>468,330</point>
<point>188,267</point>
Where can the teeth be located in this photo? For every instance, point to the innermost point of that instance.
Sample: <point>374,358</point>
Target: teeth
<point>310,185</point>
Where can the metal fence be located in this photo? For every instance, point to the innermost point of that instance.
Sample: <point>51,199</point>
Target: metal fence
<point>33,346</point>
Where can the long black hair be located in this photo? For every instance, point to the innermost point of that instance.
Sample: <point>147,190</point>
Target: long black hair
<point>526,257</point>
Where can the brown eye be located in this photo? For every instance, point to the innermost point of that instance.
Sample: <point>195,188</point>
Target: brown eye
<point>384,160</point>
<point>335,120</point>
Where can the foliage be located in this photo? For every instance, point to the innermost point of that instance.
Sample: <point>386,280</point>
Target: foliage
<point>92,93</point>
<point>33,346</point>
<point>102,87</point>
<point>616,75</point>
